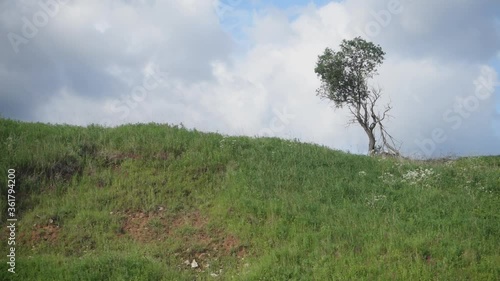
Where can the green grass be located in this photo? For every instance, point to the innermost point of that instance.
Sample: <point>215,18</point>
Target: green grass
<point>137,201</point>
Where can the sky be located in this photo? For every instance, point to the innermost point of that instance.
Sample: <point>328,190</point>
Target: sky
<point>247,67</point>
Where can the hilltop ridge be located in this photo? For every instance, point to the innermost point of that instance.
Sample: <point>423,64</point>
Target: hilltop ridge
<point>159,202</point>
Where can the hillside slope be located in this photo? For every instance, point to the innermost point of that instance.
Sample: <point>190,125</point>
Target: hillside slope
<point>141,202</point>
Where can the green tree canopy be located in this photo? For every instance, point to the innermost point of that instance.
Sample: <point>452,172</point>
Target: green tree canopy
<point>344,73</point>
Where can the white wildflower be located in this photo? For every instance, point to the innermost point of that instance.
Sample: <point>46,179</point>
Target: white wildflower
<point>387,178</point>
<point>374,199</point>
<point>418,175</point>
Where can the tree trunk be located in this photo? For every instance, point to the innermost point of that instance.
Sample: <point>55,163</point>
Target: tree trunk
<point>371,143</point>
<point>371,139</point>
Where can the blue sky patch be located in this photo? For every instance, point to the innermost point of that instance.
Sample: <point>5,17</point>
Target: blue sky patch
<point>236,15</point>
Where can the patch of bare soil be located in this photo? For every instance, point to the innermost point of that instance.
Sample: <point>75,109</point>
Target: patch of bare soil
<point>40,233</point>
<point>144,227</point>
<point>198,241</point>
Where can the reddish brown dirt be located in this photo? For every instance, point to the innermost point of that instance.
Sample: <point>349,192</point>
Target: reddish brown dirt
<point>232,244</point>
<point>140,227</point>
<point>198,240</point>
<point>40,233</point>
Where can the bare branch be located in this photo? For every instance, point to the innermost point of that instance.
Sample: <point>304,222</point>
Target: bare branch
<point>356,117</point>
<point>388,107</point>
<point>388,143</point>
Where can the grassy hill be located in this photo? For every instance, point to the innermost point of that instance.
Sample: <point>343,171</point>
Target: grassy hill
<point>141,202</point>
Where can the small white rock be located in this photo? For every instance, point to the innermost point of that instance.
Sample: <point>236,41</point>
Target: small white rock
<point>194,264</point>
<point>186,262</point>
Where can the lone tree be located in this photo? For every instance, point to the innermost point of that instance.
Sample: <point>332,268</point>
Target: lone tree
<point>344,76</point>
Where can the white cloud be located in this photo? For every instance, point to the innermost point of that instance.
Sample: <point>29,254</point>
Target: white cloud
<point>101,26</point>
<point>83,67</point>
<point>68,107</point>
